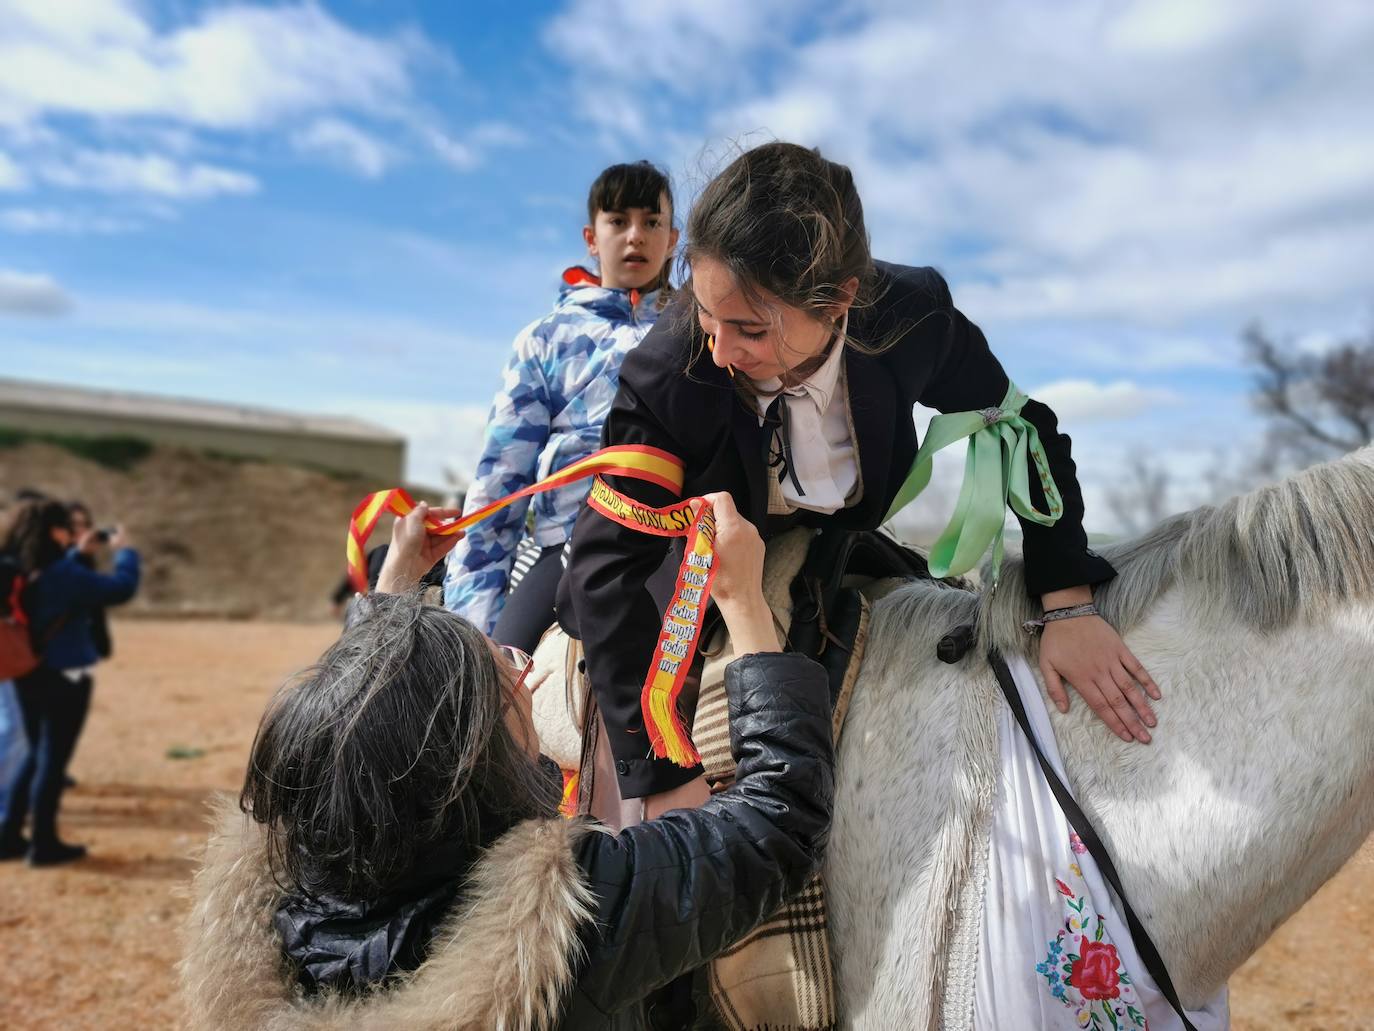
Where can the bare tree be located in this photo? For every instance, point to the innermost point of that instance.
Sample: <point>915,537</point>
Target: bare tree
<point>1320,404</point>
<point>1141,497</point>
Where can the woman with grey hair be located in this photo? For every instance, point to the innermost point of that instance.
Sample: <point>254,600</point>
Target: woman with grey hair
<point>398,861</point>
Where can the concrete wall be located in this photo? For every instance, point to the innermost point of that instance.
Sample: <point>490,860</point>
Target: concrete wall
<point>382,459</point>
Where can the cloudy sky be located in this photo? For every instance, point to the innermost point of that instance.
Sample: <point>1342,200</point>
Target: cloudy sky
<point>352,207</point>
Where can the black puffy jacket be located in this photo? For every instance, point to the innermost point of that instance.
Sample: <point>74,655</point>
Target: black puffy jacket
<point>673,892</point>
<point>560,923</point>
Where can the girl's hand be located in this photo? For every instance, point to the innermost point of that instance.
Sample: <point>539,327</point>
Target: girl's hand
<point>1088,653</point>
<point>414,549</point>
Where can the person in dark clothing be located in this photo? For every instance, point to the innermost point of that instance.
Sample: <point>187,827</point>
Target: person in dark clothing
<point>53,699</point>
<point>401,864</point>
<point>89,541</point>
<point>785,373</point>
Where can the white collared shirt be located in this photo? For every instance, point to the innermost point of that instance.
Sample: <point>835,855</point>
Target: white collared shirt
<point>820,439</point>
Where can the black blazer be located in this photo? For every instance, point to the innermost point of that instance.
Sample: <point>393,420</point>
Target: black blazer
<point>672,396</point>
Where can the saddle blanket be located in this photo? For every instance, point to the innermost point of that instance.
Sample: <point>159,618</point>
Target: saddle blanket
<point>1054,951</point>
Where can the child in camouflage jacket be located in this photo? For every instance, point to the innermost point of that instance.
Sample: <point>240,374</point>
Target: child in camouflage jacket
<point>556,391</point>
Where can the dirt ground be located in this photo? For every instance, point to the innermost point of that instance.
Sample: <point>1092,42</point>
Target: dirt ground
<point>91,946</point>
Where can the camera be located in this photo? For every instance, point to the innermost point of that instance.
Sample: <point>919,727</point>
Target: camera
<point>104,534</point>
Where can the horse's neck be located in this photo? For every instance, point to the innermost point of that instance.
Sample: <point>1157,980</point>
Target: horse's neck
<point>1258,786</point>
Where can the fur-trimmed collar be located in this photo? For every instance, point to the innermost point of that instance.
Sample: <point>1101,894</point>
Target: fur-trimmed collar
<point>502,959</point>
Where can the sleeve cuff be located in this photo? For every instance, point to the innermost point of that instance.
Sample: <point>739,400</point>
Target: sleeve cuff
<point>639,778</point>
<point>1056,572</point>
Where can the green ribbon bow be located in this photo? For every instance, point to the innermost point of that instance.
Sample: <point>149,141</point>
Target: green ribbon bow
<point>995,476</point>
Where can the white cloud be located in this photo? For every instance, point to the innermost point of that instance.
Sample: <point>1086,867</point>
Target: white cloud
<point>1078,401</point>
<point>114,172</point>
<point>491,135</point>
<point>236,67</point>
<point>453,152</point>
<point>691,45</point>
<point>70,223</point>
<point>159,86</point>
<point>12,177</point>
<point>25,293</point>
<point>1320,262</point>
<point>1148,163</point>
<point>347,144</point>
<point>470,149</point>
<point>621,52</point>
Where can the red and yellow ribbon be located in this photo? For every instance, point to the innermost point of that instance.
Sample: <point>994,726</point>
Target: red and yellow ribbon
<point>638,461</point>
<point>677,641</point>
<point>568,805</point>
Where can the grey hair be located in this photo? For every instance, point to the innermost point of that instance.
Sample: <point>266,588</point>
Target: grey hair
<point>1287,550</point>
<point>395,740</point>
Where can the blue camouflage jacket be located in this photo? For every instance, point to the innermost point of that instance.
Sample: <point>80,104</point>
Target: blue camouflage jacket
<point>556,392</point>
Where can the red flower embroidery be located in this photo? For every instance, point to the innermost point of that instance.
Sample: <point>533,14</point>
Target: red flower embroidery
<point>1094,972</point>
<point>1076,843</point>
<point>1064,889</point>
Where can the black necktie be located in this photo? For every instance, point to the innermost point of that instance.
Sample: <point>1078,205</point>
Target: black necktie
<point>780,457</point>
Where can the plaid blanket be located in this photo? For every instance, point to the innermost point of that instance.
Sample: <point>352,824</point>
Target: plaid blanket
<point>779,977</point>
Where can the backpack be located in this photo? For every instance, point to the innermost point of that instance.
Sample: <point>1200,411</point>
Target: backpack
<point>17,655</point>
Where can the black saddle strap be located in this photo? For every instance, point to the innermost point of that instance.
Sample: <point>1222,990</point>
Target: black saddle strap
<point>1154,962</point>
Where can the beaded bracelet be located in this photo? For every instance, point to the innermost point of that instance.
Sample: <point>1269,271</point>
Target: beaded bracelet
<point>1030,626</point>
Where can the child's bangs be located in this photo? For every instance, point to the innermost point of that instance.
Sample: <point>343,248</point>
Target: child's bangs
<point>622,187</point>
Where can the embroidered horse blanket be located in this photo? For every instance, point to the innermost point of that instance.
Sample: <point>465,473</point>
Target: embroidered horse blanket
<point>1054,951</point>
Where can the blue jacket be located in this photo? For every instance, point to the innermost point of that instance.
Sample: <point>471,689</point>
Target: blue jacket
<point>67,587</point>
<point>555,394</point>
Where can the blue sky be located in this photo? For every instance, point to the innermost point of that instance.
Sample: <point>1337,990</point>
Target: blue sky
<point>352,207</point>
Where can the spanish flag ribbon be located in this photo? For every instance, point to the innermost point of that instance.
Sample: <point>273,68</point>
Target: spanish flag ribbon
<point>638,461</point>
<point>678,637</point>
<point>677,643</point>
<point>567,806</point>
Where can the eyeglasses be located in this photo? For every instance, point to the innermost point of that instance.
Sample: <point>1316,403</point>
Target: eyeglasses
<point>519,661</point>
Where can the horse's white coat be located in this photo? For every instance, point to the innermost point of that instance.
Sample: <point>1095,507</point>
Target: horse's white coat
<point>911,816</point>
<point>1258,786</point>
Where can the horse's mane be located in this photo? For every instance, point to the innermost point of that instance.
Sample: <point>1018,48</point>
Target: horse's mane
<point>1286,550</point>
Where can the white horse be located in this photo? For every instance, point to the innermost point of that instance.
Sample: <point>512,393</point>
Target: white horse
<point>1256,619</point>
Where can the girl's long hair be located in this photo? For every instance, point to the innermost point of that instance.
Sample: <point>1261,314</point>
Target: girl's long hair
<point>393,742</point>
<point>29,534</point>
<point>785,220</point>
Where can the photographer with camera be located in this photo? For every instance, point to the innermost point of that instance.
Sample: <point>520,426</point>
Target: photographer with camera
<point>90,543</point>
<point>61,590</point>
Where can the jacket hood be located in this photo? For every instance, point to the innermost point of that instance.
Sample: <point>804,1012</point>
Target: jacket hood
<point>502,958</point>
<point>582,288</point>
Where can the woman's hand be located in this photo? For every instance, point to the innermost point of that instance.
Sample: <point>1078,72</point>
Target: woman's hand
<point>738,585</point>
<point>1087,652</point>
<point>414,549</point>
<point>738,592</point>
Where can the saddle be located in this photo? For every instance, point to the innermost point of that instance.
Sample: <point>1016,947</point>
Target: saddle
<point>780,975</point>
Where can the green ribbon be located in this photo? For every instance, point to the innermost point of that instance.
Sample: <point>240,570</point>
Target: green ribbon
<point>995,475</point>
